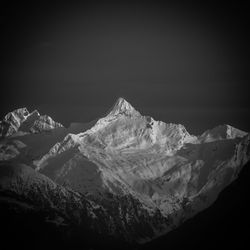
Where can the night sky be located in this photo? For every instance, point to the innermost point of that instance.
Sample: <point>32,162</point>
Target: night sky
<point>178,63</point>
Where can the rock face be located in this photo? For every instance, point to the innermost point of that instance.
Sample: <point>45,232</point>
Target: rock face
<point>128,176</point>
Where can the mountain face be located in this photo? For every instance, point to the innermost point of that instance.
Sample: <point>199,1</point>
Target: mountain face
<point>127,177</point>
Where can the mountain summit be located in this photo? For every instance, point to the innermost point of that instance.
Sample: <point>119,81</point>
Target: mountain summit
<point>121,106</point>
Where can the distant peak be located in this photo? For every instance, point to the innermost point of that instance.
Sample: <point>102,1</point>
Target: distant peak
<point>22,120</point>
<point>122,106</point>
<point>223,131</point>
<point>19,113</point>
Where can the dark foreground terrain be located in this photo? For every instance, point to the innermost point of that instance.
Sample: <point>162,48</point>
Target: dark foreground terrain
<point>224,224</point>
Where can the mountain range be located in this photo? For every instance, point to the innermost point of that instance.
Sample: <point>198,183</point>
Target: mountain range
<point>123,178</point>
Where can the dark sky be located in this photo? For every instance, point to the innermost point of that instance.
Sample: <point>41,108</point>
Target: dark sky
<point>176,62</point>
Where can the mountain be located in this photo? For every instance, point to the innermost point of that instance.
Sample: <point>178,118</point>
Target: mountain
<point>222,132</point>
<point>124,177</point>
<point>20,120</point>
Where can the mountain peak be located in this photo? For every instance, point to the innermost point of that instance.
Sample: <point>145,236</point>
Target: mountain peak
<point>222,132</point>
<point>20,113</point>
<point>12,121</point>
<point>122,106</point>
<point>22,120</point>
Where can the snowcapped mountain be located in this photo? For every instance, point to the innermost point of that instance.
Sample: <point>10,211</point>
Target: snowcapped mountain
<point>127,176</point>
<point>20,120</point>
<point>222,132</point>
